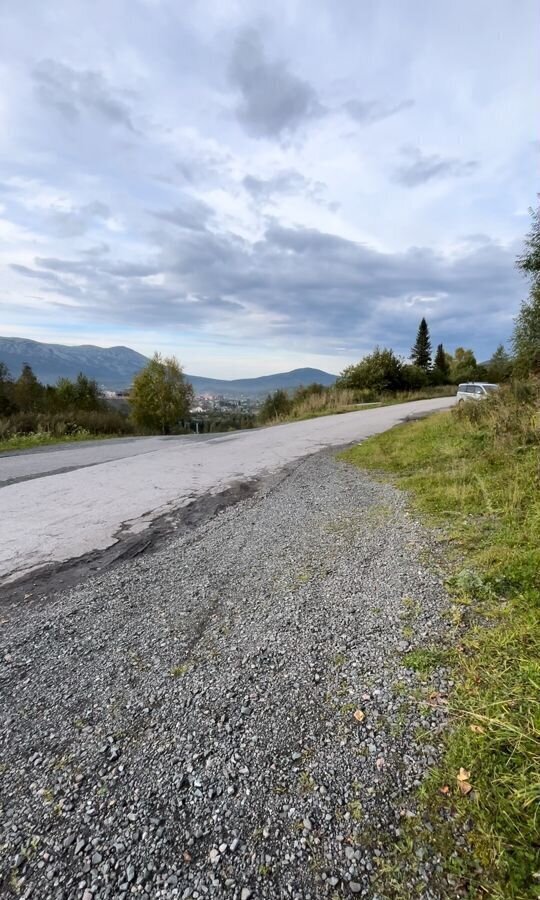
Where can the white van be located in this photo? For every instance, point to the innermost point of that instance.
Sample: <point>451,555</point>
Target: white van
<point>475,390</point>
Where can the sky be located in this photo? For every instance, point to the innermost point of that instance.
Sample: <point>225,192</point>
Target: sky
<point>256,187</point>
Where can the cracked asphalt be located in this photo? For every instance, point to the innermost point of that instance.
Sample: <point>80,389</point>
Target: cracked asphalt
<point>60,503</point>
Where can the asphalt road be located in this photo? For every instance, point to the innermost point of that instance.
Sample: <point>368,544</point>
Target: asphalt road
<point>61,503</point>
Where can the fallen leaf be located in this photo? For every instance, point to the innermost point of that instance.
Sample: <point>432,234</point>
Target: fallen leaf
<point>187,856</point>
<point>359,715</point>
<point>436,699</point>
<point>463,783</point>
<point>477,729</point>
<point>465,787</point>
<point>444,790</point>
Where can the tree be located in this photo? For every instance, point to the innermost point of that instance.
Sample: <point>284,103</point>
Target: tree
<point>379,371</point>
<point>83,394</point>
<point>28,391</point>
<point>442,363</point>
<point>529,261</point>
<point>440,373</point>
<point>160,396</point>
<point>499,368</point>
<point>464,366</point>
<point>7,403</point>
<point>413,378</point>
<point>277,404</point>
<point>421,352</point>
<point>526,336</point>
<point>65,394</point>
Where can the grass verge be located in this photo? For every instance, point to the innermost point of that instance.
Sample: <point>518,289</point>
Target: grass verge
<point>475,473</point>
<point>43,439</point>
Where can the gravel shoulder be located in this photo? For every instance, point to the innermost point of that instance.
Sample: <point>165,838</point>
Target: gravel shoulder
<point>183,724</point>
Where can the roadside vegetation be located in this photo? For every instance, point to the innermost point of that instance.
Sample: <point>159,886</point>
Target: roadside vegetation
<point>32,414</point>
<point>475,473</point>
<point>382,377</point>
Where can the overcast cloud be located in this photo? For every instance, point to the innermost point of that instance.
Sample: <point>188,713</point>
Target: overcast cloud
<point>256,189</point>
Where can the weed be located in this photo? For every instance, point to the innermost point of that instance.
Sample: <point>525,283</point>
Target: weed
<point>306,783</point>
<point>182,669</point>
<point>427,660</point>
<point>355,809</point>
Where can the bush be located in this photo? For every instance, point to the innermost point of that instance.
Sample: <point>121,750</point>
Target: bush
<point>510,414</point>
<point>380,371</point>
<point>62,424</point>
<point>276,405</point>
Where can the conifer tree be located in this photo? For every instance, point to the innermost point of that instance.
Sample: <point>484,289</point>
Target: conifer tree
<point>441,361</point>
<point>421,352</point>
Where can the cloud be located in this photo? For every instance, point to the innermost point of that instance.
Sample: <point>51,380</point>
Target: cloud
<point>418,168</point>
<point>192,214</point>
<point>273,100</point>
<point>287,181</point>
<point>74,92</point>
<point>366,112</point>
<point>78,220</point>
<point>332,291</point>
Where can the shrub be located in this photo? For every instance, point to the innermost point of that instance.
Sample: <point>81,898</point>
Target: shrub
<point>61,424</point>
<point>276,405</point>
<point>380,371</point>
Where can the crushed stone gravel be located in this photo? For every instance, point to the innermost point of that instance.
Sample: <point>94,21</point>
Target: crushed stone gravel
<point>230,715</point>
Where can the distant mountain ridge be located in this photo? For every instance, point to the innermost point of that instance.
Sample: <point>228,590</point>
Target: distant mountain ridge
<point>114,367</point>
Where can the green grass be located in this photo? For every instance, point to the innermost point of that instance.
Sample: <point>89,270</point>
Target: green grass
<point>43,439</point>
<point>475,473</point>
<point>424,661</point>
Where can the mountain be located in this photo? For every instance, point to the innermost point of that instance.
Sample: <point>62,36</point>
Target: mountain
<point>114,368</point>
<point>263,385</point>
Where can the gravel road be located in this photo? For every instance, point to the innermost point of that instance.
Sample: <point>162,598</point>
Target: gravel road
<point>62,503</point>
<point>183,725</point>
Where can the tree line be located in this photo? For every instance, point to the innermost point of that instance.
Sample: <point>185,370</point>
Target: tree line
<point>160,401</point>
<point>384,371</point>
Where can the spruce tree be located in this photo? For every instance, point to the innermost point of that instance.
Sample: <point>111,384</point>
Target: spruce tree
<point>421,352</point>
<point>441,361</point>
